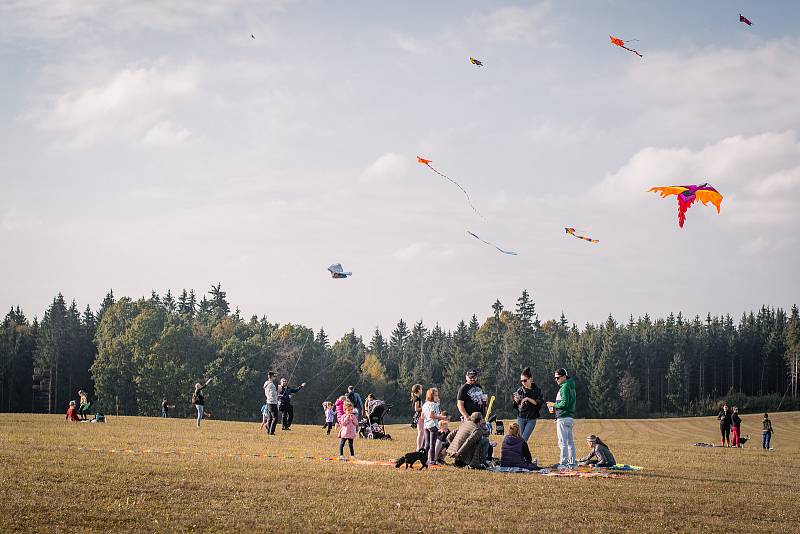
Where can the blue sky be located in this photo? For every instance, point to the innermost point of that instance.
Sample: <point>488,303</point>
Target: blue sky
<point>155,145</point>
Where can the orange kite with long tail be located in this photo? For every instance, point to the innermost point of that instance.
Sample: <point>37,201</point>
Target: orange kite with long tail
<point>687,194</point>
<point>620,43</point>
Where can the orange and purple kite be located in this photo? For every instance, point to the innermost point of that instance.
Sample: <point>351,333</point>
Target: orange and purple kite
<point>620,43</point>
<point>744,19</point>
<point>427,163</point>
<point>571,231</point>
<point>687,194</point>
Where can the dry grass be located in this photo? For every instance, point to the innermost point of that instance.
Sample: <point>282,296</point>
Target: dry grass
<point>49,485</point>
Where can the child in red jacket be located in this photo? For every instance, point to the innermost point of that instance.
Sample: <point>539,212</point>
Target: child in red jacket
<point>72,412</point>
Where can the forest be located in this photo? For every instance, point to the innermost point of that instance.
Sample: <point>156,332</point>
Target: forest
<point>130,354</point>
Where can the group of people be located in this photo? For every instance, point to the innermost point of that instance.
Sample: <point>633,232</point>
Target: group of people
<point>731,424</point>
<point>278,404</point>
<point>82,412</point>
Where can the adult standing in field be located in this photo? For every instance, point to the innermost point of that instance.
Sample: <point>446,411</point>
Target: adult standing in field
<point>285,393</point>
<point>165,408</point>
<point>199,401</point>
<point>528,400</point>
<point>736,425</point>
<point>356,400</point>
<point>471,398</point>
<point>271,393</point>
<point>417,419</point>
<point>725,419</point>
<point>766,432</point>
<point>564,408</point>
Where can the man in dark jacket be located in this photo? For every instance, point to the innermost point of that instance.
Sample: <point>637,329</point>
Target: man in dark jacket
<point>285,402</point>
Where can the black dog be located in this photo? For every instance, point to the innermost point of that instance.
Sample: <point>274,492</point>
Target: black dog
<point>410,458</point>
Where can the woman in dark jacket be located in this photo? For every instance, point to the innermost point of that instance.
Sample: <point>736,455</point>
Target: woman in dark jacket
<point>528,400</point>
<point>724,417</point>
<point>515,452</point>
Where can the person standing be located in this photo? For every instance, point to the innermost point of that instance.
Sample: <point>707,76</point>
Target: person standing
<point>285,393</point>
<point>199,401</point>
<point>528,400</point>
<point>724,417</point>
<point>165,408</point>
<point>356,400</point>
<point>736,424</point>
<point>271,393</point>
<point>347,429</point>
<point>432,416</point>
<point>766,432</point>
<point>471,398</point>
<point>417,419</point>
<point>564,408</point>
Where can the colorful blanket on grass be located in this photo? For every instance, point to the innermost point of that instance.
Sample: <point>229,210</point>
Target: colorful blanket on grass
<point>579,472</point>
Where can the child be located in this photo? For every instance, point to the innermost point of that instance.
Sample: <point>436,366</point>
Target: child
<point>443,440</point>
<point>85,406</point>
<point>430,411</point>
<point>165,408</point>
<point>766,434</point>
<point>330,416</point>
<point>340,406</point>
<point>515,451</point>
<point>72,412</point>
<point>347,429</point>
<point>600,456</point>
<point>264,417</point>
<point>736,423</point>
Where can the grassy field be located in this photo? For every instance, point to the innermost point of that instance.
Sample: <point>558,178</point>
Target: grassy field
<point>49,484</point>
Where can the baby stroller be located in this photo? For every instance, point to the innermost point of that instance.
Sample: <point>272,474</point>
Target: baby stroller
<point>374,429</point>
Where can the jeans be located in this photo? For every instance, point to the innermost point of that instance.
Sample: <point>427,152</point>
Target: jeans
<point>526,427</point>
<point>566,443</point>
<point>341,446</point>
<point>431,435</point>
<point>164,415</point>
<point>486,450</point>
<point>765,437</point>
<point>288,415</point>
<point>200,410</point>
<point>272,418</point>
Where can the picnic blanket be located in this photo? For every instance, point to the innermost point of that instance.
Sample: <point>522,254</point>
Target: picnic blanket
<point>580,472</point>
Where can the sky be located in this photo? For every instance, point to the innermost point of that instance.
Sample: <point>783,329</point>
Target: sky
<point>156,145</point>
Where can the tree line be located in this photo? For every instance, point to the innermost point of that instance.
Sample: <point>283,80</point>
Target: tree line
<point>130,354</point>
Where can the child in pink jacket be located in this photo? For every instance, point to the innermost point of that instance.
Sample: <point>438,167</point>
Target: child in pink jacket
<point>347,429</point>
<point>339,405</point>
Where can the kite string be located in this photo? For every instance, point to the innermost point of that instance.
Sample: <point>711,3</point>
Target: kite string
<point>469,200</point>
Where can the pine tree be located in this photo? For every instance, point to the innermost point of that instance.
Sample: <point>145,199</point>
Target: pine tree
<point>322,339</point>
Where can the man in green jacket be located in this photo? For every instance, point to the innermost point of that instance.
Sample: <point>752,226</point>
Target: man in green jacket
<point>565,409</point>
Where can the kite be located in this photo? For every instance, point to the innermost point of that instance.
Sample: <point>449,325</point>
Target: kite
<point>687,194</point>
<point>253,36</point>
<point>427,163</point>
<point>478,63</point>
<point>492,244</point>
<point>571,231</point>
<point>745,20</point>
<point>337,271</point>
<point>620,43</point>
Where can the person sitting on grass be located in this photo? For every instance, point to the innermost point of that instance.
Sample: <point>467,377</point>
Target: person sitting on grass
<point>467,445</point>
<point>85,406</point>
<point>72,412</point>
<point>348,423</point>
<point>600,456</point>
<point>515,452</point>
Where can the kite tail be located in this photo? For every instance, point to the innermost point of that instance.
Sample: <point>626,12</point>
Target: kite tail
<point>683,206</point>
<point>632,50</point>
<point>469,200</point>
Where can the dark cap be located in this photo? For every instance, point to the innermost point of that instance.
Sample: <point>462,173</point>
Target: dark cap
<point>561,372</point>
<point>472,372</point>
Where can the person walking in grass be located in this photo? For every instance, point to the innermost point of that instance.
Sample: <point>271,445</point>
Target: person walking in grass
<point>724,417</point>
<point>271,393</point>
<point>347,429</point>
<point>330,416</point>
<point>417,420</point>
<point>564,408</point>
<point>528,400</point>
<point>766,432</point>
<point>432,416</point>
<point>736,424</point>
<point>199,401</point>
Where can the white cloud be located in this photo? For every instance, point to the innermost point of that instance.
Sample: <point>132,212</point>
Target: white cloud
<point>514,23</point>
<point>126,102</point>
<point>387,166</point>
<point>757,175</point>
<point>410,44</point>
<point>165,134</point>
<point>411,252</point>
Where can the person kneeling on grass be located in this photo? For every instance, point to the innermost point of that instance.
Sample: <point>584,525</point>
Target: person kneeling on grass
<point>515,452</point>
<point>72,412</point>
<point>600,456</point>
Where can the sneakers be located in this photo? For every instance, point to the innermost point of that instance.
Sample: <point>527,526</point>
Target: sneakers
<point>342,458</point>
